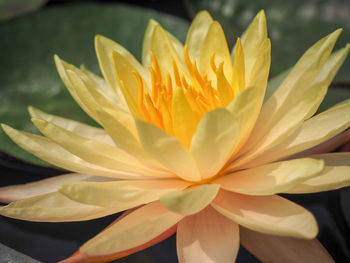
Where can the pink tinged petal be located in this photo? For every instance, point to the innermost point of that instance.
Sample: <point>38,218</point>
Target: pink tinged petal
<point>267,214</point>
<point>80,257</point>
<point>213,141</point>
<point>122,194</point>
<point>168,150</point>
<point>190,201</point>
<point>17,192</point>
<point>271,178</point>
<point>53,207</point>
<point>335,175</point>
<point>135,229</point>
<point>276,249</point>
<point>53,153</point>
<point>207,237</point>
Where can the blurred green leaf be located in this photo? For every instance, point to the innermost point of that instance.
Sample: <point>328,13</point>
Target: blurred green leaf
<point>12,8</point>
<point>27,71</point>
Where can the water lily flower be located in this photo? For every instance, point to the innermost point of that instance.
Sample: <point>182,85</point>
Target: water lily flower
<point>188,145</point>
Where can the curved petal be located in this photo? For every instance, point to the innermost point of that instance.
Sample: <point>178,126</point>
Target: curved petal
<point>53,153</point>
<point>168,151</point>
<point>22,191</point>
<point>276,249</point>
<point>267,214</point>
<point>53,207</point>
<point>135,229</point>
<point>213,141</point>
<point>207,237</point>
<point>190,201</point>
<point>271,178</point>
<point>197,33</point>
<point>335,175</point>
<point>121,194</point>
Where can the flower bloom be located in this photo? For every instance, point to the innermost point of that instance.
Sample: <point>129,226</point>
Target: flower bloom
<point>188,145</point>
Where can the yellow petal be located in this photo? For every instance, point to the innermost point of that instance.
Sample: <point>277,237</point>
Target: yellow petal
<point>184,119</point>
<point>197,33</point>
<point>93,151</point>
<point>168,151</point>
<point>276,249</point>
<point>53,207</point>
<point>314,131</point>
<point>73,126</point>
<point>51,152</point>
<point>252,39</point>
<point>293,89</point>
<point>135,229</point>
<point>146,60</point>
<point>267,214</point>
<point>215,43</point>
<point>17,192</point>
<point>121,195</point>
<point>271,178</point>
<point>207,237</point>
<point>238,71</point>
<point>335,175</point>
<point>213,141</point>
<point>165,53</point>
<point>104,50</point>
<point>190,201</point>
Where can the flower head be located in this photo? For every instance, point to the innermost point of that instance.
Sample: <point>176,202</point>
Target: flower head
<point>188,145</point>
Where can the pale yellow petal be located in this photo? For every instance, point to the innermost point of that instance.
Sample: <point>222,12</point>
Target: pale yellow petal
<point>213,141</point>
<point>271,178</point>
<point>267,214</point>
<point>53,207</point>
<point>21,191</point>
<point>238,70</point>
<point>215,43</point>
<point>146,60</point>
<point>252,39</point>
<point>197,33</point>
<point>121,195</point>
<point>135,229</point>
<point>276,249</point>
<point>184,119</point>
<point>93,151</point>
<point>53,153</point>
<point>73,126</point>
<point>168,151</point>
<point>190,201</point>
<point>207,237</point>
<point>312,132</point>
<point>293,89</point>
<point>335,175</point>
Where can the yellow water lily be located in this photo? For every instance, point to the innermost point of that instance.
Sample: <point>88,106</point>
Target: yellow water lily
<point>188,145</point>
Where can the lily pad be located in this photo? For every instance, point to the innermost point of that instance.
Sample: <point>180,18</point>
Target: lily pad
<point>27,72</point>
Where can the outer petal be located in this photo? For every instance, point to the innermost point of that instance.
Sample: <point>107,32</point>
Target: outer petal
<point>17,192</point>
<point>121,194</point>
<point>293,89</point>
<point>197,33</point>
<point>168,151</point>
<point>276,249</point>
<point>335,175</point>
<point>74,126</point>
<point>135,229</point>
<point>207,237</point>
<point>53,153</point>
<point>267,214</point>
<point>215,43</point>
<point>53,207</point>
<point>93,151</point>
<point>252,39</point>
<point>271,178</point>
<point>213,141</point>
<point>190,201</point>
